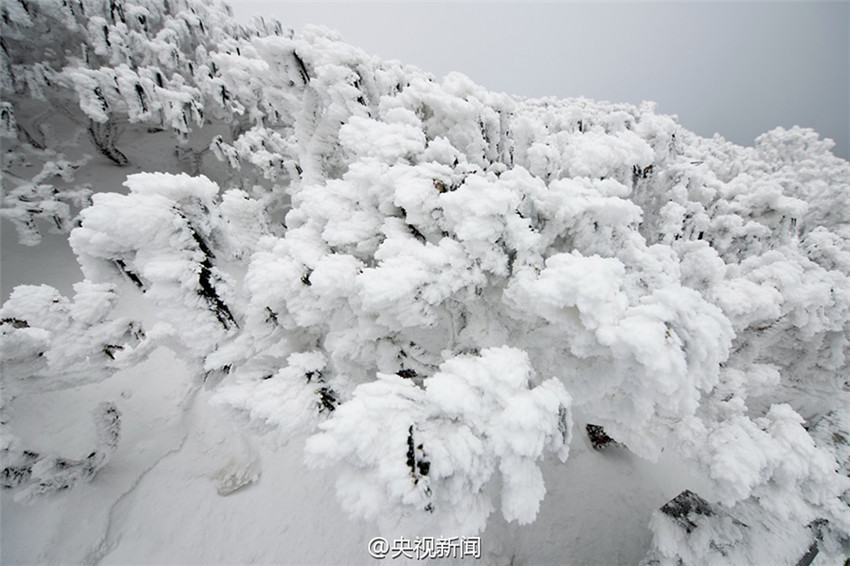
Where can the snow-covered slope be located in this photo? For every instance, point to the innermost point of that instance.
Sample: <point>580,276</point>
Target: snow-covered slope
<point>332,298</point>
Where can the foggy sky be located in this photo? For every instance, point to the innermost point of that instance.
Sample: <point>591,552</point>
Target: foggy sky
<point>739,69</point>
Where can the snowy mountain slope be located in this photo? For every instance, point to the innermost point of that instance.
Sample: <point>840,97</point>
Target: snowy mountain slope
<point>402,300</point>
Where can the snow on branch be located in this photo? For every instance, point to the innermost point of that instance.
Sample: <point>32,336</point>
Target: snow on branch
<point>434,451</point>
<point>33,475</point>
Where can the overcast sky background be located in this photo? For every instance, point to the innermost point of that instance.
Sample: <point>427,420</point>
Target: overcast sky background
<point>736,68</point>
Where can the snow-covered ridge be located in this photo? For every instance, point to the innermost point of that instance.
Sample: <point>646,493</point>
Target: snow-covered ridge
<point>428,278</point>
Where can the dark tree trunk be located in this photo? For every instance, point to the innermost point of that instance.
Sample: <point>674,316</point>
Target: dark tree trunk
<point>103,136</point>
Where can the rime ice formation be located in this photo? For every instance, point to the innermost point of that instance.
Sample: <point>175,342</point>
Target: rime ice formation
<point>428,279</point>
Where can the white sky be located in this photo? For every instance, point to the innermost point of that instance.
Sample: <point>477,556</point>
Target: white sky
<point>737,68</point>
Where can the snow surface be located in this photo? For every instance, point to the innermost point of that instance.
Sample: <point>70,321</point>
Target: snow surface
<point>158,501</point>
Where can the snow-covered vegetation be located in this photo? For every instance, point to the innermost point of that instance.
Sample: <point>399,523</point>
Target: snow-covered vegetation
<point>298,254</point>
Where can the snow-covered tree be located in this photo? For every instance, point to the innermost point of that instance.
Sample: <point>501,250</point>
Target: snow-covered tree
<point>110,69</point>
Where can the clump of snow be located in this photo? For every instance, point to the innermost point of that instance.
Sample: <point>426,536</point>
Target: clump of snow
<point>52,342</point>
<point>475,416</point>
<point>160,238</point>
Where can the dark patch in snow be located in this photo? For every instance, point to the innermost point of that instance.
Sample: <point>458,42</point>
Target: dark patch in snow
<point>327,400</point>
<point>684,507</point>
<point>104,135</point>
<point>810,555</point>
<point>598,438</point>
<point>130,274</point>
<point>110,349</point>
<point>419,466</point>
<point>302,68</point>
<point>19,473</point>
<point>206,281</point>
<point>214,376</point>
<point>15,322</point>
<point>140,92</point>
<point>441,186</point>
<point>416,233</point>
<point>563,424</point>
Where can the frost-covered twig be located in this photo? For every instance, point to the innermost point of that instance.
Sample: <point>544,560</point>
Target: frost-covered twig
<point>34,475</point>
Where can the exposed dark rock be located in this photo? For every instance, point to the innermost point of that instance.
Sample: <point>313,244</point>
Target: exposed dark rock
<point>598,438</point>
<point>407,373</point>
<point>684,507</point>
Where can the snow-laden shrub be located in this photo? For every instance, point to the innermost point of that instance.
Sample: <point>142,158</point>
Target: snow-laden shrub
<point>476,415</point>
<point>429,278</point>
<point>53,342</point>
<point>76,76</point>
